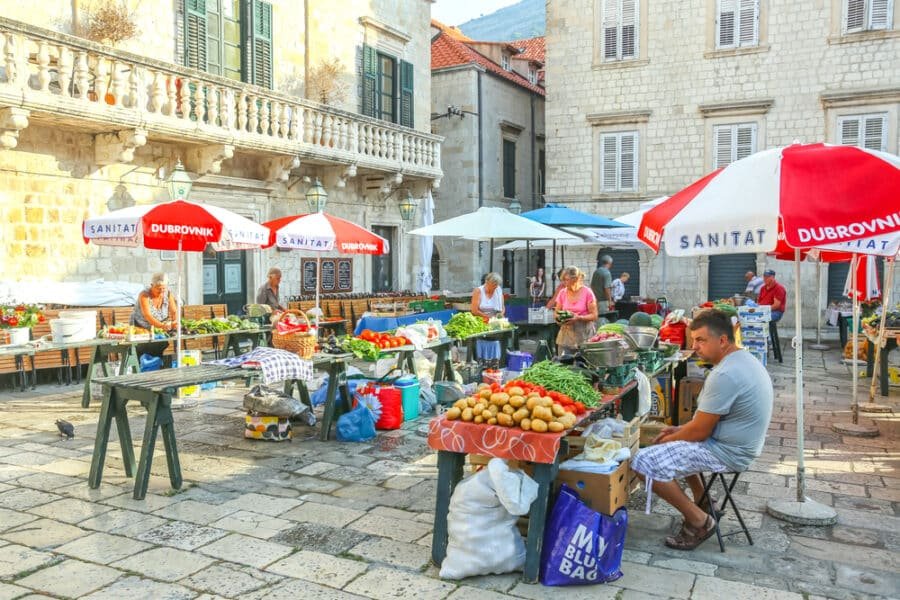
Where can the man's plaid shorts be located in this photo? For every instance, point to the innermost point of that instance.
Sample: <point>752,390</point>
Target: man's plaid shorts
<point>675,460</point>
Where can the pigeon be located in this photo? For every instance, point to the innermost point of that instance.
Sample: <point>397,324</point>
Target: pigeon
<point>66,429</point>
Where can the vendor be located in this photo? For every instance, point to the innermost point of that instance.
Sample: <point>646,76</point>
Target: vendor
<point>579,300</point>
<point>487,299</point>
<point>268,293</point>
<point>156,306</point>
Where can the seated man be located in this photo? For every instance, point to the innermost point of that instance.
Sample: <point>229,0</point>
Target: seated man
<point>773,294</point>
<point>726,433</point>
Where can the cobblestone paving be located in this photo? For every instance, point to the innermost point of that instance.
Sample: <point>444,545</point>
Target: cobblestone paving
<point>312,519</point>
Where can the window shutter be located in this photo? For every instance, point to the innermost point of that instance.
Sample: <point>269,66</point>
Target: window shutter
<point>746,141</point>
<point>608,161</point>
<point>261,69</point>
<point>629,27</point>
<point>370,76</point>
<point>726,23</point>
<point>722,141</point>
<point>628,162</point>
<point>749,20</point>
<point>848,129</point>
<point>882,14</point>
<point>856,15</point>
<point>875,132</point>
<point>406,94</point>
<point>610,29</point>
<point>195,34</point>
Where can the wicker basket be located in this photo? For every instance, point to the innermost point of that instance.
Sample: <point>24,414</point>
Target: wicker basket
<point>302,343</point>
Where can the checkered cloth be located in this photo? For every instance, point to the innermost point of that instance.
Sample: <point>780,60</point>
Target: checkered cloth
<point>276,365</point>
<point>674,460</point>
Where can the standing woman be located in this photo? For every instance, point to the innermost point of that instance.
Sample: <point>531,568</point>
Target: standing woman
<point>487,299</point>
<point>580,300</point>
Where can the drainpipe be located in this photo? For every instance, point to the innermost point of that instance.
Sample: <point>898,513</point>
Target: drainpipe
<point>533,182</point>
<point>480,147</point>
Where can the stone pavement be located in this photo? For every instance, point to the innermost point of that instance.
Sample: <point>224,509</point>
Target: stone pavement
<point>325,520</point>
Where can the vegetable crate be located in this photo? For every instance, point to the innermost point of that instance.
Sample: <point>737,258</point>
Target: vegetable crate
<point>427,305</point>
<point>541,316</point>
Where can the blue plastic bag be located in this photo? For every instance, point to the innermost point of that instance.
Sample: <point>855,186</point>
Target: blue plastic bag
<point>582,546</point>
<point>149,362</point>
<point>358,425</point>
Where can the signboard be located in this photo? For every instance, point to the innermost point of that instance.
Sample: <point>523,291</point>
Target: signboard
<point>345,275</point>
<point>336,275</point>
<point>327,281</point>
<point>308,275</point>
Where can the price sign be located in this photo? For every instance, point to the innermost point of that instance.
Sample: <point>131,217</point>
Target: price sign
<point>308,274</point>
<point>329,269</point>
<point>345,275</point>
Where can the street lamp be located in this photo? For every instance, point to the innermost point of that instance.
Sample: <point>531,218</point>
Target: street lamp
<point>408,207</point>
<point>179,184</point>
<point>316,197</point>
<point>515,207</point>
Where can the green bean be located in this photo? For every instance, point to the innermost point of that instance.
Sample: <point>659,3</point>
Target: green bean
<point>559,378</point>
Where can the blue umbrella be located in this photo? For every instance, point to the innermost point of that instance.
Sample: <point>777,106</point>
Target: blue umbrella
<point>557,215</point>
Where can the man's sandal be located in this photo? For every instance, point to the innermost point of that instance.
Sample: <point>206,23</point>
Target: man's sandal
<point>690,537</point>
<point>704,506</point>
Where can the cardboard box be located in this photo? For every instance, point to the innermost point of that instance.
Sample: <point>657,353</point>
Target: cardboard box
<point>604,493</point>
<point>190,358</point>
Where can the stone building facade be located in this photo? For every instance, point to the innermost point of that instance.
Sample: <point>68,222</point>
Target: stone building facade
<point>664,96</point>
<point>258,99</point>
<point>488,105</point>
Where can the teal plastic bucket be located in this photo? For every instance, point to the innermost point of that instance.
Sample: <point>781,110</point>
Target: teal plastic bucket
<point>409,396</point>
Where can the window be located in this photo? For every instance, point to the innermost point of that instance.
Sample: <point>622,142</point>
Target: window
<point>865,131</point>
<point>867,15</point>
<point>619,162</point>
<point>620,29</point>
<point>509,169</point>
<point>737,23</point>
<point>504,61</point>
<point>232,38</point>
<point>532,75</point>
<point>387,90</point>
<point>733,142</point>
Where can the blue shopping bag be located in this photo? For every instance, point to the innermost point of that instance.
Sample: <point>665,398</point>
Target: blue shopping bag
<point>581,546</point>
<point>358,425</point>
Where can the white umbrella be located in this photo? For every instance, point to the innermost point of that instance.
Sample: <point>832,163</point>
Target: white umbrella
<point>426,247</point>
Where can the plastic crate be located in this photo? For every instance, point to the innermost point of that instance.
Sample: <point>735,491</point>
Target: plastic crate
<point>427,305</point>
<point>754,314</point>
<point>541,316</point>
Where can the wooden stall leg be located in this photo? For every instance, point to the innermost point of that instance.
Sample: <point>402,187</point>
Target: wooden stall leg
<point>142,478</point>
<point>167,421</point>
<point>121,415</point>
<point>328,416</point>
<point>450,472</point>
<point>110,397</point>
<point>537,517</point>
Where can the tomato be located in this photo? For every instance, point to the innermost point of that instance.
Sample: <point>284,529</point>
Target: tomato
<point>383,344</point>
<point>396,343</point>
<point>579,408</point>
<point>13,321</point>
<point>366,334</point>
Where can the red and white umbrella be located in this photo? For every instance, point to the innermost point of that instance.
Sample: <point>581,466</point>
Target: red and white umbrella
<point>321,232</point>
<point>866,286</point>
<point>177,225</point>
<point>814,194</point>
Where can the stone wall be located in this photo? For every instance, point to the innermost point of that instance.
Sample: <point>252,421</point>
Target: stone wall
<point>794,85</point>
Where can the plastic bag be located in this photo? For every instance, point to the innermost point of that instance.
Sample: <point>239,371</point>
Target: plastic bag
<point>269,401</point>
<point>356,425</point>
<point>582,546</point>
<point>483,537</point>
<point>427,396</point>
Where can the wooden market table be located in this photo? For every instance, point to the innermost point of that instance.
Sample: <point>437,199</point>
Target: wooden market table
<point>154,390</point>
<point>890,340</point>
<point>504,336</point>
<point>453,440</point>
<point>20,352</point>
<point>443,368</point>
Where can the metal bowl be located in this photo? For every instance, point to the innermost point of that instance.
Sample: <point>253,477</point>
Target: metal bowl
<point>614,342</point>
<point>604,356</point>
<point>738,300</point>
<point>641,338</point>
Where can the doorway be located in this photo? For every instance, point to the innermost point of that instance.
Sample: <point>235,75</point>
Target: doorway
<point>383,265</point>
<point>225,278</point>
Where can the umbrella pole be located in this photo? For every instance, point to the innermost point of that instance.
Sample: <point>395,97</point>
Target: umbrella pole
<point>562,255</point>
<point>819,345</point>
<point>665,276</point>
<point>885,302</point>
<point>802,510</point>
<point>554,264</point>
<point>178,308</point>
<point>318,275</point>
<point>491,258</point>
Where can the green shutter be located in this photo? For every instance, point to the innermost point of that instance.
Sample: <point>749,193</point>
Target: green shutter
<point>406,94</point>
<point>261,64</point>
<point>370,78</point>
<point>195,34</point>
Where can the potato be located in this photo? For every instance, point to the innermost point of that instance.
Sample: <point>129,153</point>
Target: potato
<point>542,412</point>
<point>532,402</point>
<point>539,425</point>
<point>558,410</point>
<point>471,402</point>
<point>533,395</point>
<point>453,414</point>
<point>525,424</point>
<point>499,398</point>
<point>478,420</point>
<point>505,420</point>
<point>479,408</point>
<point>467,414</point>
<point>547,401</point>
<point>492,421</point>
<point>461,404</point>
<point>515,391</point>
<point>507,409</point>
<point>555,427</point>
<point>493,409</point>
<point>568,420</point>
<point>517,401</point>
<point>485,394</point>
<point>520,414</point>
<point>483,386</point>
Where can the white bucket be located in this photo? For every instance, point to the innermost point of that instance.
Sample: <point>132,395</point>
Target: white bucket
<point>88,321</point>
<point>71,330</point>
<point>15,336</point>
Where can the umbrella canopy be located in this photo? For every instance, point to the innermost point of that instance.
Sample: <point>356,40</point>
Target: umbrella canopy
<point>322,232</point>
<point>177,225</point>
<point>426,247</point>
<point>558,215</point>
<point>489,223</point>
<point>867,286</point>
<point>814,194</point>
<point>624,237</point>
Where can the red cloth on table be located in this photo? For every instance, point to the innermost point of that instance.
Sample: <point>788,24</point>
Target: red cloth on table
<point>493,440</point>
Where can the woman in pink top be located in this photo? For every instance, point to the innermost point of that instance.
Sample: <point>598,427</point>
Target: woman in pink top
<point>578,299</point>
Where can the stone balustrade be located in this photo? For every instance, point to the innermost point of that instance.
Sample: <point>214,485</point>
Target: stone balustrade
<point>49,75</point>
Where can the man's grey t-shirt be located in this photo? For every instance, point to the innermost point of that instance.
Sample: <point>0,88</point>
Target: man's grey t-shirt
<point>740,390</point>
<point>600,281</point>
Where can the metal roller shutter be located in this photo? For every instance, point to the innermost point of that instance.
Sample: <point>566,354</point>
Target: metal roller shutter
<point>726,274</point>
<point>626,261</point>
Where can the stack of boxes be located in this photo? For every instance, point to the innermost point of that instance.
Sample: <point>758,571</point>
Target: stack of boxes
<point>754,322</point>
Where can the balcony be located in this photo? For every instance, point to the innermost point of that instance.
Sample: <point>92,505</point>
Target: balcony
<point>127,99</point>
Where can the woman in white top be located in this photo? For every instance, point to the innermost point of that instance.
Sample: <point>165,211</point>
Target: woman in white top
<point>487,299</point>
